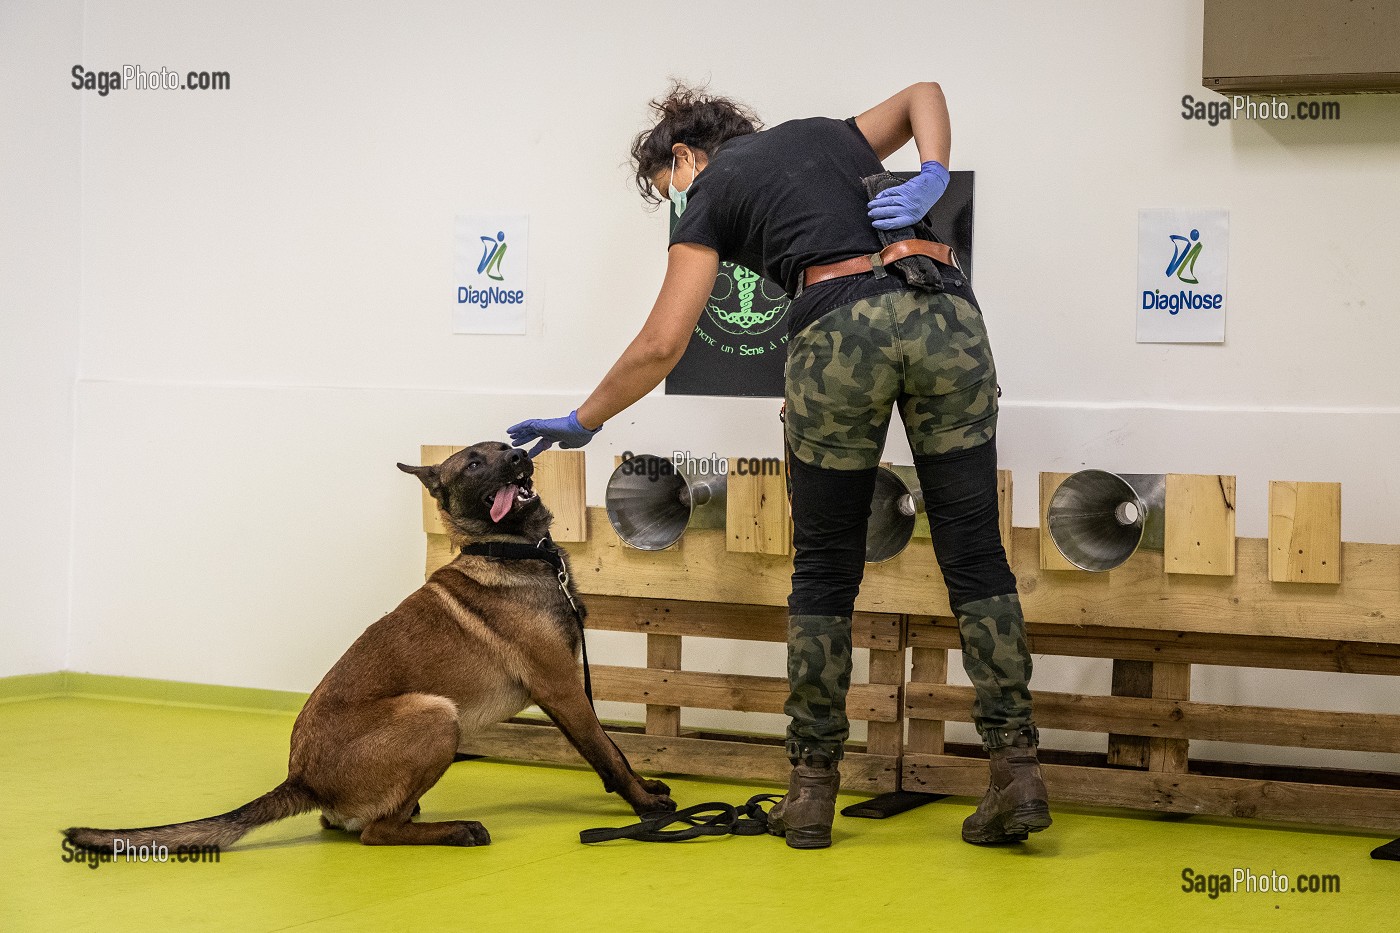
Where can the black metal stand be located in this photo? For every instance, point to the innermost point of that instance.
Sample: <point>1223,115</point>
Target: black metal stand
<point>891,804</point>
<point>1390,851</point>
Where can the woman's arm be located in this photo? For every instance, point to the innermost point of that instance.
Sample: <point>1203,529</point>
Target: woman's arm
<point>918,112</point>
<point>654,352</point>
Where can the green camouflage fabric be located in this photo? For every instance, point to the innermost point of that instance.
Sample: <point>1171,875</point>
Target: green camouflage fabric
<point>819,673</point>
<point>927,352</point>
<point>998,661</point>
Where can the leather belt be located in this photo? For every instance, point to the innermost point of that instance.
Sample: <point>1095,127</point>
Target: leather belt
<point>877,261</point>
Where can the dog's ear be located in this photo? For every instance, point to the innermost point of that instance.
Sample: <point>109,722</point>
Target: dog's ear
<point>429,475</point>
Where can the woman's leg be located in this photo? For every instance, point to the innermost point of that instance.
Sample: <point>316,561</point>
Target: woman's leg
<point>960,497</point>
<point>949,407</point>
<point>842,379</point>
<point>830,509</point>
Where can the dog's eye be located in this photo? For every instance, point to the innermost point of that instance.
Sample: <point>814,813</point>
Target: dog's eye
<point>472,466</point>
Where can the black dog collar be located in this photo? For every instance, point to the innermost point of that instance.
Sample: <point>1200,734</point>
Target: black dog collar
<point>544,550</point>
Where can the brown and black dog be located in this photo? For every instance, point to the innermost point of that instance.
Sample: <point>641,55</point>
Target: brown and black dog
<point>476,644</point>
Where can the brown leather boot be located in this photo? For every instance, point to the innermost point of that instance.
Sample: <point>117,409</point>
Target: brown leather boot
<point>805,815</point>
<point>1015,803</point>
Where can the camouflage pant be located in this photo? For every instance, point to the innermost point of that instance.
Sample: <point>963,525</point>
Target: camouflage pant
<point>998,662</point>
<point>819,674</point>
<point>926,352</point>
<point>995,656</point>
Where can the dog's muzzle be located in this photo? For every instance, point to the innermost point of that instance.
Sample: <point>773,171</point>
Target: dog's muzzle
<point>505,499</point>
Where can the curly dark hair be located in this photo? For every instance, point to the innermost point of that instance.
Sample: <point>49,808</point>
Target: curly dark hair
<point>686,115</point>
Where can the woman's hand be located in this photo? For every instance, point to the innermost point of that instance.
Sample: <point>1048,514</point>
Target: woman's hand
<point>905,205</point>
<point>567,432</point>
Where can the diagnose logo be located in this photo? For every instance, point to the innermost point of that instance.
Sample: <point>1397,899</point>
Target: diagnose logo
<point>493,253</point>
<point>1185,251</point>
<point>1183,257</point>
<point>1184,254</point>
<point>492,266</point>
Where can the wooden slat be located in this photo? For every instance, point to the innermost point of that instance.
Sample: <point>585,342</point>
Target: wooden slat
<point>1130,679</point>
<point>757,518</point>
<point>1367,653</point>
<point>744,693</point>
<point>930,666</point>
<point>440,553</point>
<point>886,671</point>
<point>1305,532</point>
<point>663,653</point>
<point>434,454</point>
<point>678,617</point>
<point>1365,607</point>
<point>1162,719</point>
<point>1200,524</point>
<point>1171,682</point>
<point>1372,808</point>
<point>1050,556</point>
<point>873,630</point>
<point>560,482</point>
<point>1296,654</point>
<point>877,631</point>
<point>748,761</point>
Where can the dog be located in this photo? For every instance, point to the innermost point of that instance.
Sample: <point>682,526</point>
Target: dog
<point>481,640</point>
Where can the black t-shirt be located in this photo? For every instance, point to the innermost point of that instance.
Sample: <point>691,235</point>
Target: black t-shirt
<point>786,198</point>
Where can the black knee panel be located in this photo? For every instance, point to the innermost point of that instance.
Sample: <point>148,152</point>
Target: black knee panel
<point>960,497</point>
<point>830,510</point>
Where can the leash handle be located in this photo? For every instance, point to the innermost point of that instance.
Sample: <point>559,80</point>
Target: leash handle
<point>748,819</point>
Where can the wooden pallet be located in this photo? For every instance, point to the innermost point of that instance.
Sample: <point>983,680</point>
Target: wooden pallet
<point>1208,599</point>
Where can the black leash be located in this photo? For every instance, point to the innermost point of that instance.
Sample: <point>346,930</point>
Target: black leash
<point>749,819</point>
<point>546,550</point>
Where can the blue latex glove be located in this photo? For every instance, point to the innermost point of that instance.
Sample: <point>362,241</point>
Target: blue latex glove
<point>566,431</point>
<point>905,205</point>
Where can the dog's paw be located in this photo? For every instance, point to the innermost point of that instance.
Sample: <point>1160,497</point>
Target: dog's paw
<point>469,833</point>
<point>656,787</point>
<point>654,803</point>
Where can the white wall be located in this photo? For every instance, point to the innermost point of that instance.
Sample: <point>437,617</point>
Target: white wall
<point>265,322</point>
<point>40,276</point>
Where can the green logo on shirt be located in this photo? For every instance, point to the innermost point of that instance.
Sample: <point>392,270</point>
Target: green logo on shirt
<point>743,303</point>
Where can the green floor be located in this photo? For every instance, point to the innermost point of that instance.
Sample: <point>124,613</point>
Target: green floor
<point>111,762</point>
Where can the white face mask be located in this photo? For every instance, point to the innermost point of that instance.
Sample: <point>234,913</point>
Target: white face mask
<point>678,197</point>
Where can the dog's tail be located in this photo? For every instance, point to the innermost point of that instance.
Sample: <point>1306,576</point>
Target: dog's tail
<point>286,799</point>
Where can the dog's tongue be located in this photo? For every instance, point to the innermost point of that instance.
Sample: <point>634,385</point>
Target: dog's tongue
<point>505,498</point>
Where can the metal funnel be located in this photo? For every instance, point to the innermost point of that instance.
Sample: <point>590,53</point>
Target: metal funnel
<point>1099,519</point>
<point>892,511</point>
<point>651,503</point>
